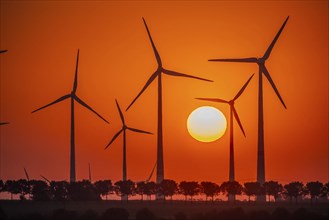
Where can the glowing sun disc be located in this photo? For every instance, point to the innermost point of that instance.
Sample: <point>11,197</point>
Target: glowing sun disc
<point>206,124</point>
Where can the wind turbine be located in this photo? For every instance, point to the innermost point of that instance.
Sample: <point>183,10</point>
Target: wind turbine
<point>3,123</point>
<point>233,114</point>
<point>26,175</point>
<point>47,180</point>
<point>262,70</point>
<point>73,98</point>
<point>89,172</point>
<point>123,130</point>
<point>158,74</point>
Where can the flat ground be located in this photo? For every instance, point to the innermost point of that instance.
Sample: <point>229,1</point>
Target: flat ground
<point>160,208</point>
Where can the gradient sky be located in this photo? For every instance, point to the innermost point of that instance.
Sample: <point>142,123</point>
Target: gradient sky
<point>116,59</point>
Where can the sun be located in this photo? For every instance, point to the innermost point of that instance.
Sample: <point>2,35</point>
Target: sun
<point>206,124</point>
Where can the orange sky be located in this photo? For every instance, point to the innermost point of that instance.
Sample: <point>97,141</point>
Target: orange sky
<point>116,59</point>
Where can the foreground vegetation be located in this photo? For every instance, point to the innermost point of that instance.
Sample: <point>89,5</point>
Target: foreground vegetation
<point>156,210</point>
<point>85,190</point>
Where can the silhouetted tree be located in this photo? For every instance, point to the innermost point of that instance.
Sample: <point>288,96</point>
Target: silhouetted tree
<point>1,186</point>
<point>12,187</point>
<point>83,191</point>
<point>124,188</point>
<point>59,190</point>
<point>189,189</point>
<point>115,214</point>
<point>167,188</point>
<point>231,187</point>
<point>314,189</point>
<point>104,187</point>
<point>140,189</point>
<point>24,188</point>
<point>252,189</point>
<point>145,214</point>
<point>210,189</point>
<point>39,190</point>
<point>273,188</point>
<point>325,191</point>
<point>150,189</point>
<point>293,190</point>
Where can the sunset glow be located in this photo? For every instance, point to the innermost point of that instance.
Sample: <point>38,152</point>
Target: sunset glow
<point>116,60</point>
<point>206,124</point>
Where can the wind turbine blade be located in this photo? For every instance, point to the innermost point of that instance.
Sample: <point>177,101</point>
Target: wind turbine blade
<point>114,137</point>
<point>89,171</point>
<point>47,180</point>
<point>121,115</point>
<point>173,73</point>
<point>267,74</point>
<point>213,100</point>
<point>242,60</point>
<point>243,88</point>
<point>236,116</point>
<point>3,51</point>
<point>75,84</point>
<point>54,102</point>
<point>157,56</point>
<point>148,180</point>
<point>88,107</point>
<point>4,123</point>
<point>149,81</point>
<point>139,131</point>
<point>27,175</point>
<point>269,49</point>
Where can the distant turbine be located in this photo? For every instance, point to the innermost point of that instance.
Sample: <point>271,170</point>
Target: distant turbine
<point>123,129</point>
<point>26,175</point>
<point>151,174</point>
<point>47,180</point>
<point>148,180</point>
<point>233,113</point>
<point>73,97</point>
<point>158,74</point>
<point>3,123</point>
<point>262,70</point>
<point>89,171</point>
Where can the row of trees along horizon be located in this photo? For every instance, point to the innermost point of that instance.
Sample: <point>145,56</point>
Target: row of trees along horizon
<point>85,190</point>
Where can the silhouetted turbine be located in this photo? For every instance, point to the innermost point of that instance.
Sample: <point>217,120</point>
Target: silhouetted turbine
<point>26,175</point>
<point>148,179</point>
<point>73,97</point>
<point>47,180</point>
<point>262,70</point>
<point>123,130</point>
<point>3,51</point>
<point>89,172</point>
<point>158,74</point>
<point>233,113</point>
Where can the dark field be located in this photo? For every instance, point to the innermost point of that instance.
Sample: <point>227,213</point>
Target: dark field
<point>162,210</point>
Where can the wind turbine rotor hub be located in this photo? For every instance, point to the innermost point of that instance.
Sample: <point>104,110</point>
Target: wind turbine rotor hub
<point>261,60</point>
